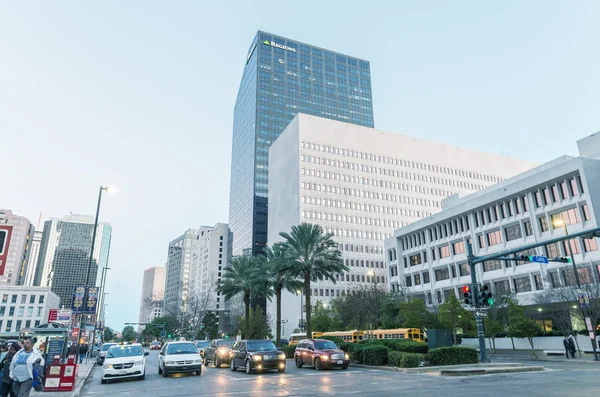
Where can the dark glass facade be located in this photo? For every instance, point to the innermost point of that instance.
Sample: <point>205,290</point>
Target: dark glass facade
<point>281,78</point>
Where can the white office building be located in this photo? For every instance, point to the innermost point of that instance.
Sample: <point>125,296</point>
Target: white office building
<point>15,244</point>
<point>428,256</point>
<point>153,291</point>
<point>34,253</point>
<point>360,184</point>
<point>211,255</point>
<point>24,307</point>
<point>177,279</point>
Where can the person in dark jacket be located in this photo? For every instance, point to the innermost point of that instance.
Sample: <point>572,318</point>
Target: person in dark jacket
<point>572,347</point>
<point>6,380</point>
<point>566,345</point>
<point>83,349</point>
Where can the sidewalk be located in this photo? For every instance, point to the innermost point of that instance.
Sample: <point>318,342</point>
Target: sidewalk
<point>83,371</point>
<point>527,355</point>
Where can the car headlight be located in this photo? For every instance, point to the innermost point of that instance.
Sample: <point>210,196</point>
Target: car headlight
<point>282,356</point>
<point>222,351</point>
<point>169,362</point>
<point>325,358</point>
<point>347,357</point>
<point>107,366</point>
<point>197,361</point>
<point>257,358</point>
<point>138,363</point>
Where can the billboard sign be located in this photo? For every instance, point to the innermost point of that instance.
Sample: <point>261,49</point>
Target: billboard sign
<point>63,316</point>
<point>78,300</point>
<point>5,235</point>
<point>91,301</point>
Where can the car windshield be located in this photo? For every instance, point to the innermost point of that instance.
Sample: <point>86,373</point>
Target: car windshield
<point>124,351</point>
<point>203,343</point>
<point>225,343</point>
<point>155,344</point>
<point>182,348</point>
<point>326,344</point>
<point>107,346</point>
<point>261,345</point>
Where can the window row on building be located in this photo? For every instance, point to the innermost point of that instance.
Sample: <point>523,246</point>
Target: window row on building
<point>358,220</point>
<point>24,298</point>
<point>7,325</point>
<point>21,311</point>
<point>394,161</point>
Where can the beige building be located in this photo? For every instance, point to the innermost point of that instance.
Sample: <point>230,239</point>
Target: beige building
<point>16,233</point>
<point>153,289</point>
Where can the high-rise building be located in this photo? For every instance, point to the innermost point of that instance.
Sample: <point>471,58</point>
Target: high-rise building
<point>153,290</point>
<point>281,78</point>
<point>15,244</point>
<point>34,253</point>
<point>65,252</point>
<point>553,200</point>
<point>177,280</point>
<point>360,184</point>
<point>210,257</point>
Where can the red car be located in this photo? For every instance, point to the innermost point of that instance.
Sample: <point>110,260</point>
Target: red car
<point>320,353</point>
<point>155,346</point>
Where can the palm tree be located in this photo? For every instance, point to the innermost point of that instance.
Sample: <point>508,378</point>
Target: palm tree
<point>311,255</point>
<point>237,278</point>
<point>276,278</point>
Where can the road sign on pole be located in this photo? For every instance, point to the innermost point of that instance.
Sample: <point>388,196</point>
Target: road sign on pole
<point>539,259</point>
<point>481,314</point>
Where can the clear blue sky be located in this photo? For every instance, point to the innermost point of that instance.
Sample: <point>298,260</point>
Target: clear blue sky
<point>140,94</point>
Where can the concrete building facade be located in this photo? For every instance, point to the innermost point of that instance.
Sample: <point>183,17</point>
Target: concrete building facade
<point>177,279</point>
<point>34,254</point>
<point>360,184</point>
<point>153,290</point>
<point>24,307</point>
<point>16,233</point>
<point>428,256</point>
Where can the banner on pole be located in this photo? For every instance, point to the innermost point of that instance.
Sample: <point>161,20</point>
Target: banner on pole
<point>78,300</point>
<point>91,301</point>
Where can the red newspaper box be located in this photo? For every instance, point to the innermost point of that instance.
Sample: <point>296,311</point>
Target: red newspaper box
<point>60,377</point>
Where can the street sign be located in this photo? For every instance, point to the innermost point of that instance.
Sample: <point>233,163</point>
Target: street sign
<point>63,316</point>
<point>481,314</point>
<point>52,315</point>
<point>539,259</point>
<point>588,323</point>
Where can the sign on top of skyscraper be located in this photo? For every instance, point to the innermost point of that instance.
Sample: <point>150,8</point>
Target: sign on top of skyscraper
<point>283,77</point>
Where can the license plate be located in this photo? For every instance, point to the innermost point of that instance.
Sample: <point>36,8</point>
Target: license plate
<point>122,372</point>
<point>340,361</point>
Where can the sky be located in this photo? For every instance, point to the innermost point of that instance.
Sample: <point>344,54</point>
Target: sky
<point>140,95</point>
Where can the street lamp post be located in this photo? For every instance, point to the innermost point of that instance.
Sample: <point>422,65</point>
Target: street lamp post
<point>88,269</point>
<point>283,327</point>
<point>558,223</point>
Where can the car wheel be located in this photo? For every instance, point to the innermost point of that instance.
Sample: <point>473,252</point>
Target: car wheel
<point>103,381</point>
<point>281,370</point>
<point>345,366</point>
<point>318,365</point>
<point>299,363</point>
<point>248,368</point>
<point>232,366</point>
<point>217,362</point>
<point>159,370</point>
<point>206,361</point>
<point>143,376</point>
<point>164,373</point>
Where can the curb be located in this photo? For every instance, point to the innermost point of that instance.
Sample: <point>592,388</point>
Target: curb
<point>77,391</point>
<point>488,371</point>
<point>425,370</point>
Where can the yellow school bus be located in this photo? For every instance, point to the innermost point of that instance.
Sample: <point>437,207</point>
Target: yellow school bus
<point>398,333</point>
<point>347,336</point>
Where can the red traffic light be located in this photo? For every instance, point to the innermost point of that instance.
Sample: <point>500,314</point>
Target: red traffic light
<point>466,289</point>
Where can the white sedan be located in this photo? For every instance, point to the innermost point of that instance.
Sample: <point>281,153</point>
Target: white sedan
<point>124,361</point>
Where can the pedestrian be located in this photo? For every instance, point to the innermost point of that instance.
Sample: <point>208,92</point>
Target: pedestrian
<point>572,346</point>
<point>21,368</point>
<point>5,363</point>
<point>566,345</point>
<point>83,348</point>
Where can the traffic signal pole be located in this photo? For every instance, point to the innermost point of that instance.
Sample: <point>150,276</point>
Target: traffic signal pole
<point>475,296</point>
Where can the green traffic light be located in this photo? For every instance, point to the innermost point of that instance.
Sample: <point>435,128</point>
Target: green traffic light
<point>490,301</point>
<point>569,260</point>
<point>530,258</point>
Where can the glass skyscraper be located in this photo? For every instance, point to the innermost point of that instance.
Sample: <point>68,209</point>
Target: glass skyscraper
<point>281,78</point>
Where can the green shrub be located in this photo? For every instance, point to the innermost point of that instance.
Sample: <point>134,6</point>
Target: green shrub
<point>401,345</point>
<point>411,360</point>
<point>395,358</point>
<point>453,355</point>
<point>356,353</point>
<point>345,346</point>
<point>289,350</point>
<point>351,347</point>
<point>375,355</point>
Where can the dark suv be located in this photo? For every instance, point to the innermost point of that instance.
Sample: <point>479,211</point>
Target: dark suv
<point>218,352</point>
<point>320,353</point>
<point>256,355</point>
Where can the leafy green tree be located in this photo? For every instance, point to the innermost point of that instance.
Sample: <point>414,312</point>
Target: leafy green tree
<point>154,329</point>
<point>522,326</point>
<point>259,325</point>
<point>493,328</point>
<point>361,308</point>
<point>414,314</point>
<point>452,315</point>
<point>210,326</point>
<point>321,318</point>
<point>274,278</point>
<point>108,334</point>
<point>238,278</point>
<point>129,334</point>
<point>311,255</point>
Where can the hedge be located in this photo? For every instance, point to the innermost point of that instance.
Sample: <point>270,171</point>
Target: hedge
<point>401,345</point>
<point>345,346</point>
<point>289,350</point>
<point>375,355</point>
<point>452,355</point>
<point>405,360</point>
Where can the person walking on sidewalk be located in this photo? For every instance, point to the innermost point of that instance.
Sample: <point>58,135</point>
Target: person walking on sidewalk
<point>6,380</point>
<point>83,349</point>
<point>21,368</point>
<point>566,345</point>
<point>572,348</point>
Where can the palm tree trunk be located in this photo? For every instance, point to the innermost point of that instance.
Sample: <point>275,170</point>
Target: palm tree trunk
<point>307,304</point>
<point>247,320</point>
<point>278,326</point>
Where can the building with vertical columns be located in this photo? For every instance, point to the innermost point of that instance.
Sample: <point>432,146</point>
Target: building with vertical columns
<point>34,254</point>
<point>361,184</point>
<point>428,256</point>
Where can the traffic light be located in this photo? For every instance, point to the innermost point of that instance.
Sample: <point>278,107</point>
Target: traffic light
<point>485,296</point>
<point>467,294</point>
<point>562,259</point>
<point>525,258</point>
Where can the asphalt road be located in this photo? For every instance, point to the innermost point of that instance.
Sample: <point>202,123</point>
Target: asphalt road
<point>572,379</point>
